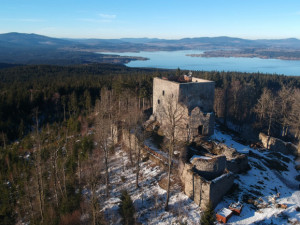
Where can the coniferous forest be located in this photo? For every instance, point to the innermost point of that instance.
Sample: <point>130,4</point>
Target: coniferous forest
<point>48,129</point>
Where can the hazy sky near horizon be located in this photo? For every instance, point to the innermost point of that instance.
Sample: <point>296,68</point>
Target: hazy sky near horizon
<point>171,19</point>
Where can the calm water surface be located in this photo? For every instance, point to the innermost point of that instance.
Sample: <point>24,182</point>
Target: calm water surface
<point>175,59</point>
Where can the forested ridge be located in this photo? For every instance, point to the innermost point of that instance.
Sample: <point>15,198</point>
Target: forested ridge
<point>47,124</point>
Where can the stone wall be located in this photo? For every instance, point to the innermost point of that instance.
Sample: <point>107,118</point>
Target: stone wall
<point>209,167</point>
<point>238,164</point>
<point>277,145</point>
<point>202,191</point>
<point>193,100</point>
<point>131,142</point>
<point>129,139</point>
<point>235,161</point>
<point>161,90</point>
<point>220,186</point>
<point>198,118</point>
<point>198,94</point>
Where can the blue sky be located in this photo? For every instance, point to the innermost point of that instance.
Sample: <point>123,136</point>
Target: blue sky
<point>171,19</point>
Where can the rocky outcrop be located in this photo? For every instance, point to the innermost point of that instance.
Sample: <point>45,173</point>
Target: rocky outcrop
<point>277,145</point>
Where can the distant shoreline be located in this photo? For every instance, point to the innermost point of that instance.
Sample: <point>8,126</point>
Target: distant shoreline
<point>230,54</point>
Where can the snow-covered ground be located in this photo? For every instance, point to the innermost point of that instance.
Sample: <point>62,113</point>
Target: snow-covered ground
<point>149,199</point>
<point>261,183</point>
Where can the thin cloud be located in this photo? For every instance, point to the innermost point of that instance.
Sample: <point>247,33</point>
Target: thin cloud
<point>107,16</point>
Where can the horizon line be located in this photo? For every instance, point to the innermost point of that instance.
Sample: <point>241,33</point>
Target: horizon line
<point>145,37</point>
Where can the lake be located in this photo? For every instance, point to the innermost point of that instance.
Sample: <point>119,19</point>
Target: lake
<point>175,59</point>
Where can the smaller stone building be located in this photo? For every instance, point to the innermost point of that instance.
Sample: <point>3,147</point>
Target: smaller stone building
<point>205,179</point>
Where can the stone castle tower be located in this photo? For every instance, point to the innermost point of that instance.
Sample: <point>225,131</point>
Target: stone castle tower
<point>195,99</point>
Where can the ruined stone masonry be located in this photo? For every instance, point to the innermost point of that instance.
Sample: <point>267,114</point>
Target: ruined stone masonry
<point>195,97</point>
<point>277,145</point>
<point>205,179</point>
<point>209,175</point>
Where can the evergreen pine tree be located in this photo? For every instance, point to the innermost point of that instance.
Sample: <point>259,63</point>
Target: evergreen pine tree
<point>127,209</point>
<point>208,217</point>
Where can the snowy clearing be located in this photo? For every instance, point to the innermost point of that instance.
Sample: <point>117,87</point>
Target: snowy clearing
<point>255,189</point>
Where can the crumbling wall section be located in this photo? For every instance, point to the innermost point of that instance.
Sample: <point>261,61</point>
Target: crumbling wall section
<point>238,164</point>
<point>277,145</point>
<point>129,139</point>
<point>202,191</point>
<point>205,121</point>
<point>209,167</point>
<point>235,161</point>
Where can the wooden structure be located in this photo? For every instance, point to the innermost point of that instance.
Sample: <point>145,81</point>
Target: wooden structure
<point>236,208</point>
<point>223,215</point>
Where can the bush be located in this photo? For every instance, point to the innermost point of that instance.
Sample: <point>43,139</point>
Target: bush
<point>127,209</point>
<point>208,217</point>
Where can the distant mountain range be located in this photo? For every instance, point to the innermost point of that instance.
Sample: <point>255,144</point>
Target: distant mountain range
<point>23,48</point>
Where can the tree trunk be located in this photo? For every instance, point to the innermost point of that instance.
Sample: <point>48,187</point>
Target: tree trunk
<point>130,151</point>
<point>137,167</point>
<point>4,142</point>
<point>106,172</point>
<point>171,149</point>
<point>168,187</point>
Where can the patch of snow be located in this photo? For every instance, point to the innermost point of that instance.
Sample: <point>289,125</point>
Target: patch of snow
<point>262,183</point>
<point>199,157</point>
<point>224,212</point>
<point>221,177</point>
<point>149,198</point>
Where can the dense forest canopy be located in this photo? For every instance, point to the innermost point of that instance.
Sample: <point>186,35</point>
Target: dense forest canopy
<point>48,156</point>
<point>61,91</point>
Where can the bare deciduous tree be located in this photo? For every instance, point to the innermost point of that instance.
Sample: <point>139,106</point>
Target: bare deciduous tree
<point>286,100</point>
<point>104,129</point>
<point>267,108</point>
<point>173,119</point>
<point>38,167</point>
<point>295,118</point>
<point>92,169</point>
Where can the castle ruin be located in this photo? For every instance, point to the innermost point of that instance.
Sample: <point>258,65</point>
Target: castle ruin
<point>207,173</point>
<point>194,97</point>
